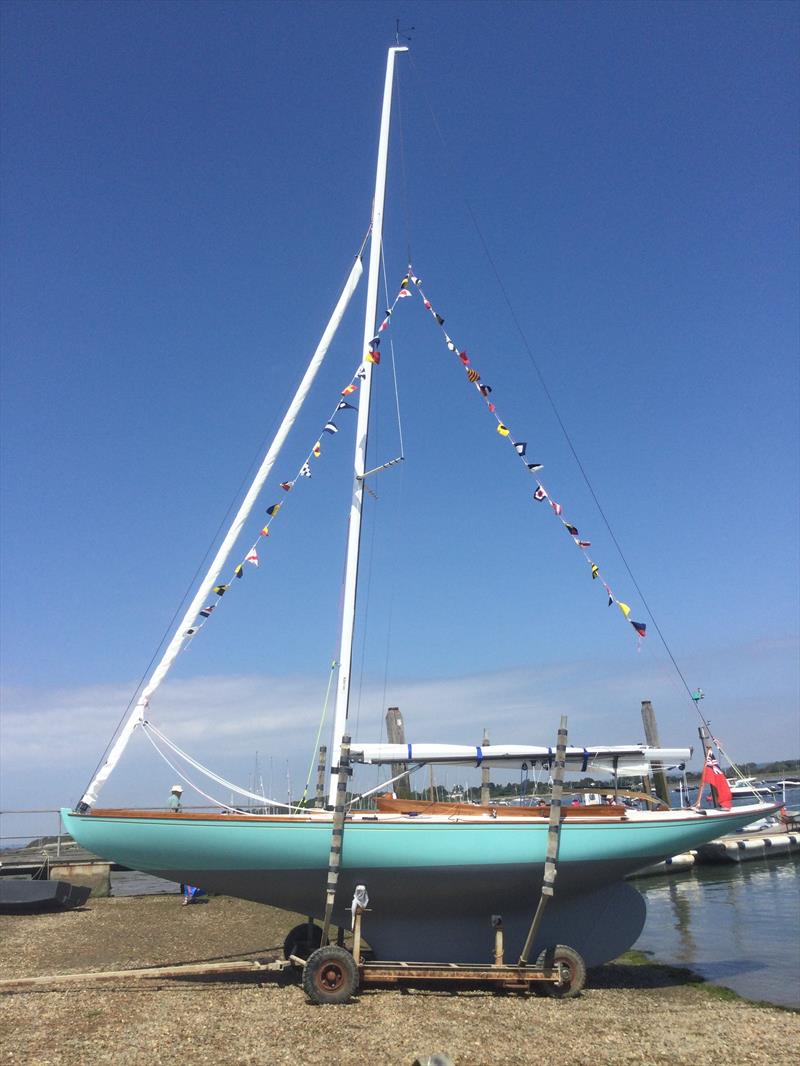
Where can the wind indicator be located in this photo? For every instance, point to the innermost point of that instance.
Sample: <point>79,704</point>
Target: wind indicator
<point>398,34</point>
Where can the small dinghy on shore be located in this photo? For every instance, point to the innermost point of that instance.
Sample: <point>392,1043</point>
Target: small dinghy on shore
<point>22,896</point>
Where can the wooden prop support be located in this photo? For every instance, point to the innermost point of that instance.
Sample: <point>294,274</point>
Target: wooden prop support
<point>344,771</point>
<point>357,936</point>
<point>192,969</point>
<point>553,840</point>
<point>499,949</point>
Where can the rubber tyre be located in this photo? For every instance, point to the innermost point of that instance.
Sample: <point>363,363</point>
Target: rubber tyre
<point>301,941</point>
<point>330,976</point>
<point>573,969</point>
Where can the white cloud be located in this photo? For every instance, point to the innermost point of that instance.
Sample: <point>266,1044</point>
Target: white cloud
<point>50,740</point>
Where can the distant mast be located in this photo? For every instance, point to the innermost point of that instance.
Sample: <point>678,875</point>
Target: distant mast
<point>359,466</point>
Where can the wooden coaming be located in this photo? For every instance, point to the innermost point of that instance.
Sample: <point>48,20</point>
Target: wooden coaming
<point>390,805</point>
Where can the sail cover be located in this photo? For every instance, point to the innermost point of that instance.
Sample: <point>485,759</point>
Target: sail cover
<point>623,759</point>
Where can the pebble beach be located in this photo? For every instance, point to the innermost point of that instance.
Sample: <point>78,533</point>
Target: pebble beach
<point>630,1012</point>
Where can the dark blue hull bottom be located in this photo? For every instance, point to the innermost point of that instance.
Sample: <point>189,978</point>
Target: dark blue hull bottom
<point>429,915</point>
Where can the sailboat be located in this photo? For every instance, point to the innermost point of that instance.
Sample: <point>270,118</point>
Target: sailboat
<point>435,878</point>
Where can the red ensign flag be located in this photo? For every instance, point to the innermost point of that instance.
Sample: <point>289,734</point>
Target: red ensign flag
<point>713,775</point>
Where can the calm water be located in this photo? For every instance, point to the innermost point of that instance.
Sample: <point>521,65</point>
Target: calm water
<point>738,926</point>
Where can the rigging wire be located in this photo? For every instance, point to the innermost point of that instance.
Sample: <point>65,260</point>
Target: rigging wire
<point>193,580</point>
<point>394,366</point>
<point>545,389</point>
<point>315,750</point>
<point>373,524</point>
<point>365,569</point>
<point>393,583</point>
<point>359,796</point>
<point>179,773</point>
<point>151,730</point>
<point>403,169</point>
<point>168,629</point>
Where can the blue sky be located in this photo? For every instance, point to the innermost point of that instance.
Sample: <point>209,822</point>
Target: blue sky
<point>183,189</point>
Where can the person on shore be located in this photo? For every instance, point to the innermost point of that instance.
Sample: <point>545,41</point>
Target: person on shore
<point>190,894</point>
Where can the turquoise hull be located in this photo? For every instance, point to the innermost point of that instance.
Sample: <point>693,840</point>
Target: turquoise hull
<point>433,882</point>
<point>171,843</point>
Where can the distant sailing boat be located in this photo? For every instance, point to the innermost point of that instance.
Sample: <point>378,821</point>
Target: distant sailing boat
<point>409,862</point>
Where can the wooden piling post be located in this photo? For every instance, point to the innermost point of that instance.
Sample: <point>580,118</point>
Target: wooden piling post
<point>651,736</point>
<point>485,773</point>
<point>395,731</point>
<point>705,740</point>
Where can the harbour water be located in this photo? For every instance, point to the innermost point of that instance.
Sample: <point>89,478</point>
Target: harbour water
<point>737,926</point>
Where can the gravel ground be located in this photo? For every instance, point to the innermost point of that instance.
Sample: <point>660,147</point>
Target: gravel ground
<point>629,1013</point>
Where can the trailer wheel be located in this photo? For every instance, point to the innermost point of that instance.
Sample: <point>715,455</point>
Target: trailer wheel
<point>330,976</point>
<point>573,972</point>
<point>302,940</point>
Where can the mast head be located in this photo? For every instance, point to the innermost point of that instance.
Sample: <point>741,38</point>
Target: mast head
<point>398,35</point>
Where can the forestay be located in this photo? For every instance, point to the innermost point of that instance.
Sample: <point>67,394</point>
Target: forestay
<point>176,644</point>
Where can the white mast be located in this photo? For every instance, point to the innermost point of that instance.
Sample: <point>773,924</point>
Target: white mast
<point>173,649</point>
<point>354,529</point>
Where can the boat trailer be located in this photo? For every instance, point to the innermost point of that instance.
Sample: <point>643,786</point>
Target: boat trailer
<point>332,974</point>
